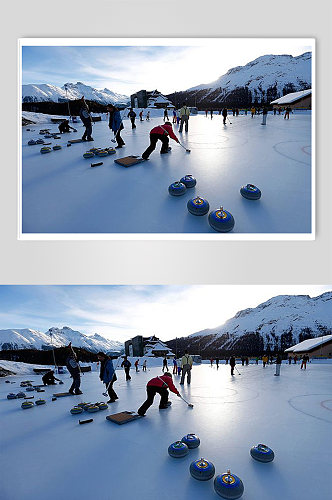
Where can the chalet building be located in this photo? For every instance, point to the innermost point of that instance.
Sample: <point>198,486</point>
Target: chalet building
<point>147,346</point>
<point>317,347</point>
<point>150,99</point>
<point>297,100</point>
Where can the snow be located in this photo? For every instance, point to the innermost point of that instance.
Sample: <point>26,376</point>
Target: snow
<point>264,72</point>
<point>48,92</point>
<point>27,338</point>
<point>279,315</point>
<point>62,194</point>
<point>293,96</point>
<point>45,453</point>
<point>309,344</point>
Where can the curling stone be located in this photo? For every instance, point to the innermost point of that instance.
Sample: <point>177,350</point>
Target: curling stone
<point>191,440</point>
<point>177,188</point>
<point>178,449</point>
<point>198,206</point>
<point>11,395</point>
<point>7,381</point>
<point>29,388</point>
<point>76,410</point>
<point>88,154</point>
<point>45,150</point>
<point>39,402</point>
<point>262,453</point>
<point>32,142</point>
<point>93,150</point>
<point>221,220</point>
<point>21,394</point>
<point>103,406</point>
<point>189,181</point>
<point>81,405</point>
<point>228,485</point>
<point>27,404</point>
<point>111,151</point>
<point>40,141</point>
<point>92,408</point>
<point>250,192</point>
<point>202,469</point>
<point>102,152</point>
<point>56,147</point>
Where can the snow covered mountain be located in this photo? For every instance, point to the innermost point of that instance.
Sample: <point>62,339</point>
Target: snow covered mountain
<point>262,80</point>
<point>32,339</point>
<point>48,92</point>
<point>279,323</point>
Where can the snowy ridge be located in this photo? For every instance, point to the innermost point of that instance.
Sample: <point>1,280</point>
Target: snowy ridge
<point>48,92</point>
<point>281,321</point>
<point>58,337</point>
<point>264,72</point>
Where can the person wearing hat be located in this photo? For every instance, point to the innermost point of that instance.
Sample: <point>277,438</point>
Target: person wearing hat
<point>107,375</point>
<point>160,133</point>
<point>49,378</point>
<point>86,119</point>
<point>158,385</point>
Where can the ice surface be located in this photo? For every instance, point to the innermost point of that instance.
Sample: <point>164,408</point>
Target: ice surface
<point>44,453</point>
<point>61,193</point>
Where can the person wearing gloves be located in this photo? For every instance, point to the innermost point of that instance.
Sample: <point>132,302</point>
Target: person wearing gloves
<point>107,375</point>
<point>186,365</point>
<point>74,370</point>
<point>86,119</point>
<point>160,133</point>
<point>158,385</point>
<point>115,124</point>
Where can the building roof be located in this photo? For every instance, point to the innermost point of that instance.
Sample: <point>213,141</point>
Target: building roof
<point>292,97</point>
<point>309,344</point>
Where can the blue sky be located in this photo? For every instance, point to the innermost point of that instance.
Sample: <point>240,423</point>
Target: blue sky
<point>120,312</point>
<point>127,69</point>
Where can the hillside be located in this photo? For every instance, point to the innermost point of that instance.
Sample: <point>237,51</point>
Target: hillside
<point>262,80</point>
<point>278,323</point>
<point>58,337</point>
<point>71,91</point>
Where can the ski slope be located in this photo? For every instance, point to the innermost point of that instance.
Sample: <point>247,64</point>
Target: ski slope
<point>45,453</point>
<point>61,193</point>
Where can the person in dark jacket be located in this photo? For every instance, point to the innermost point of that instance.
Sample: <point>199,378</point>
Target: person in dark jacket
<point>49,378</point>
<point>74,370</point>
<point>115,124</point>
<point>160,133</point>
<point>64,127</point>
<point>126,364</point>
<point>264,115</point>
<point>107,375</point>
<point>217,363</point>
<point>278,365</point>
<point>86,119</point>
<point>165,366</point>
<point>224,114</point>
<point>232,364</point>
<point>132,116</point>
<point>305,359</point>
<point>158,385</point>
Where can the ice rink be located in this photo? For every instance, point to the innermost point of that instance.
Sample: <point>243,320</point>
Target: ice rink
<point>46,454</point>
<point>61,193</point>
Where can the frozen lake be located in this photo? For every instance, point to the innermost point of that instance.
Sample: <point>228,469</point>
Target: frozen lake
<point>46,454</point>
<point>61,193</point>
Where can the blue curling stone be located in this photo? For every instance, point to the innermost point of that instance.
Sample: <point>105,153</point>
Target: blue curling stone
<point>250,192</point>
<point>32,142</point>
<point>228,485</point>
<point>11,395</point>
<point>198,206</point>
<point>189,181</point>
<point>262,453</point>
<point>177,189</point>
<point>221,220</point>
<point>178,449</point>
<point>191,440</point>
<point>202,469</point>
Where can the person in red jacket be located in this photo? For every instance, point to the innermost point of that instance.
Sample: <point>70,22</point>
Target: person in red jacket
<point>158,385</point>
<point>161,132</point>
